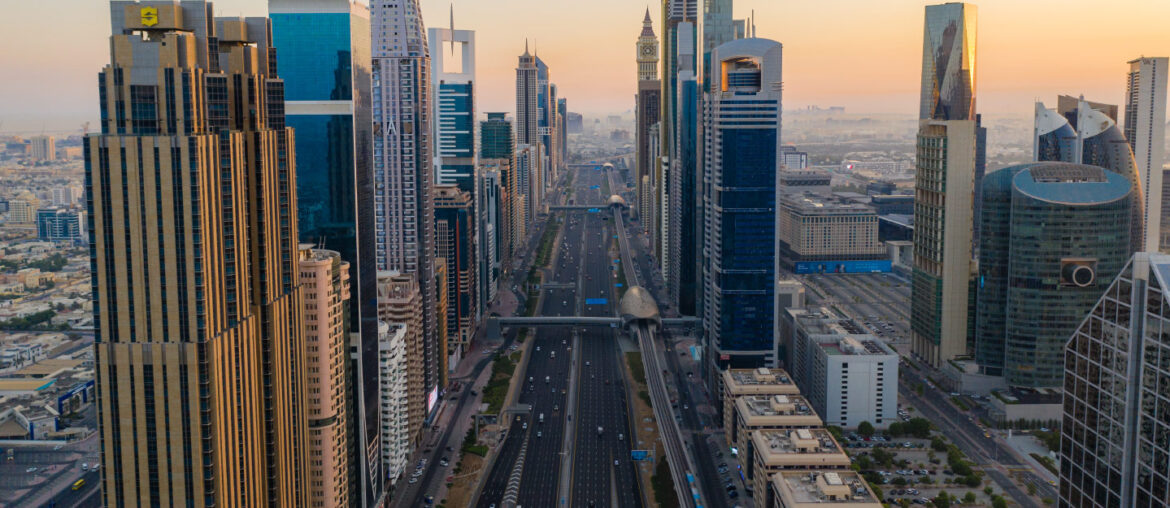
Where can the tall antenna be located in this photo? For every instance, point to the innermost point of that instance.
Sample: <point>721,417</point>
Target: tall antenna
<point>452,28</point>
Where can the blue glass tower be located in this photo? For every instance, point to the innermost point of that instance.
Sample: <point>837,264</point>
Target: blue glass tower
<point>325,63</point>
<point>741,119</point>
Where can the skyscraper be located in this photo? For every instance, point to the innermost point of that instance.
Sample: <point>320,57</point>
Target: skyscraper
<point>393,386</point>
<point>400,303</point>
<point>742,126</point>
<point>1080,131</point>
<point>496,141</point>
<point>1050,247</point>
<point>674,12</point>
<point>1112,447</point>
<point>490,225</point>
<point>944,185</point>
<point>1145,129</point>
<point>403,167</point>
<point>562,125</point>
<point>684,208</point>
<point>324,278</point>
<point>717,28</point>
<point>43,148</point>
<point>454,232</point>
<point>453,83</point>
<point>199,342</point>
<point>647,109</point>
<point>527,101</point>
<point>324,60</point>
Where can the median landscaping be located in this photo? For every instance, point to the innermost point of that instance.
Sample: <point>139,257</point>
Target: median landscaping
<point>497,388</point>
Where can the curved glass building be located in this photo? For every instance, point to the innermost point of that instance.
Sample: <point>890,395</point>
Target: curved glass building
<point>1050,246</point>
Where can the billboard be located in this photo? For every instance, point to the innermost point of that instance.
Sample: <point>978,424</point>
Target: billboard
<point>865,266</point>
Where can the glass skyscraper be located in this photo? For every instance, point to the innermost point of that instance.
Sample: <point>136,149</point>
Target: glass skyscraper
<point>742,126</point>
<point>1050,246</point>
<point>325,62</point>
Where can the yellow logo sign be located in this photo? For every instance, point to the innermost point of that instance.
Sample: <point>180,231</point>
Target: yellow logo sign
<point>149,16</point>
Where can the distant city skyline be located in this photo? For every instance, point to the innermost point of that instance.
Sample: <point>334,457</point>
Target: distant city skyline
<point>871,67</point>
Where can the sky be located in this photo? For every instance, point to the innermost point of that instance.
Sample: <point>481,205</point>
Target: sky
<point>864,55</point>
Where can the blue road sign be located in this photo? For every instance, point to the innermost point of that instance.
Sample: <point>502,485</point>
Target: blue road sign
<point>640,455</point>
<point>593,210</point>
<point>594,186</point>
<point>618,284</point>
<point>596,301</point>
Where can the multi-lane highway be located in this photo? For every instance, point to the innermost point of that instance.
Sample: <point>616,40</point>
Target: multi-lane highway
<point>528,468</point>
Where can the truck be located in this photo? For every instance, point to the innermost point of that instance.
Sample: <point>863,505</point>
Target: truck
<point>600,430</point>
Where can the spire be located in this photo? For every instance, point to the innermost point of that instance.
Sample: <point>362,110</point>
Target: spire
<point>647,25</point>
<point>452,28</point>
<point>526,47</point>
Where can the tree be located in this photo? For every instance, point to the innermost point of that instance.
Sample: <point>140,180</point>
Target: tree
<point>918,427</point>
<point>899,481</point>
<point>988,490</point>
<point>972,481</point>
<point>895,429</point>
<point>865,429</point>
<point>864,463</point>
<point>998,502</point>
<point>881,456</point>
<point>942,500</point>
<point>937,443</point>
<point>969,498</point>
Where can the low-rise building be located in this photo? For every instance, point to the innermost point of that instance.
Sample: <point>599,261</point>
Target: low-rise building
<point>819,228</point>
<point>849,375</point>
<point>800,180</point>
<point>761,381</point>
<point>768,412</point>
<point>775,451</point>
<point>821,489</point>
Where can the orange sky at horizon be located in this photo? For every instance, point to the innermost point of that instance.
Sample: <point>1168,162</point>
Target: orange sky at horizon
<point>860,54</point>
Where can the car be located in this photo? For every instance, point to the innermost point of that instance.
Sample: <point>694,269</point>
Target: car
<point>615,462</point>
<point>733,494</point>
<point>539,434</point>
<point>84,466</point>
<point>538,348</point>
<point>31,470</point>
<point>413,480</point>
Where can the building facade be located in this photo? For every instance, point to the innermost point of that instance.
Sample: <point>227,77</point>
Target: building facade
<point>454,105</point>
<point>324,279</point>
<point>1145,129</point>
<point>742,132</point>
<point>1050,246</point>
<point>647,109</point>
<point>849,376</point>
<point>324,60</point>
<point>400,303</point>
<point>197,310</point>
<point>1112,446</point>
<point>61,225</point>
<point>944,185</point>
<point>404,167</point>
<point>497,142</point>
<point>394,387</point>
<point>454,242</point>
<point>43,148</point>
<point>816,227</point>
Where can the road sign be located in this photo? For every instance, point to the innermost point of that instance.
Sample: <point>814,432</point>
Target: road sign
<point>593,210</point>
<point>618,284</point>
<point>641,455</point>
<point>596,301</point>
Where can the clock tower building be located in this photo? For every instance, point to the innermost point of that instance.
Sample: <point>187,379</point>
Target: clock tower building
<point>648,107</point>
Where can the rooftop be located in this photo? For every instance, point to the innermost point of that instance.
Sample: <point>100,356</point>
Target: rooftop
<point>47,368</point>
<point>810,203</point>
<point>761,381</point>
<point>823,488</point>
<point>787,410</point>
<point>812,447</point>
<point>854,346</point>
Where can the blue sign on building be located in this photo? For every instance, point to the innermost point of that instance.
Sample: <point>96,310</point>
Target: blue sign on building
<point>879,265</point>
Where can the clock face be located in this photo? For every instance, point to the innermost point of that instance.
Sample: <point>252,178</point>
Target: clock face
<point>647,50</point>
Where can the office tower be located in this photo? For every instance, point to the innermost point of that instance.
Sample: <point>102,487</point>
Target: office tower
<point>497,142</point>
<point>1113,448</point>
<point>324,279</point>
<point>197,310</point>
<point>400,302</point>
<point>575,123</point>
<point>549,136</point>
<point>442,310</point>
<point>453,82</point>
<point>57,224</point>
<point>403,167</point>
<point>454,241</point>
<point>1145,129</point>
<point>742,126</point>
<point>1037,283</point>
<point>684,210</point>
<point>674,12</point>
<point>739,383</point>
<point>530,183</point>
<point>562,133</point>
<point>647,110</point>
<point>527,101</point>
<point>717,28</point>
<point>775,452</point>
<point>43,148</point>
<point>1079,131</point>
<point>393,387</point>
<point>324,60</point>
<point>489,219</point>
<point>21,212</point>
<point>944,185</point>
<point>821,233</point>
<point>848,374</point>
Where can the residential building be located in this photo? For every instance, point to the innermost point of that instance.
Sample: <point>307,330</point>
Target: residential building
<point>394,388</point>
<point>741,118</point>
<point>442,309</point>
<point>944,185</point>
<point>43,148</point>
<point>738,383</point>
<point>818,232</point>
<point>324,279</point>
<point>849,375</point>
<point>574,122</point>
<point>1050,246</point>
<point>828,488</point>
<point>1083,132</point>
<point>1145,129</point>
<point>684,209</point>
<point>546,100</point>
<point>404,168</point>
<point>454,242</point>
<point>490,222</point>
<point>61,225</point>
<point>530,186</point>
<point>21,212</point>
<point>400,303</point>
<point>562,125</point>
<point>776,451</point>
<point>324,60</point>
<point>1112,446</point>
<point>199,333</point>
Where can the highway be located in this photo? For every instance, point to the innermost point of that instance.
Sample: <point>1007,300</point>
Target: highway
<point>579,271</point>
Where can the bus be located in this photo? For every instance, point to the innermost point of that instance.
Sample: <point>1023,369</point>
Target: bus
<point>77,485</point>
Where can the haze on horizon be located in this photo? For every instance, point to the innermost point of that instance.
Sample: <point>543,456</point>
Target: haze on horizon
<point>852,53</point>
